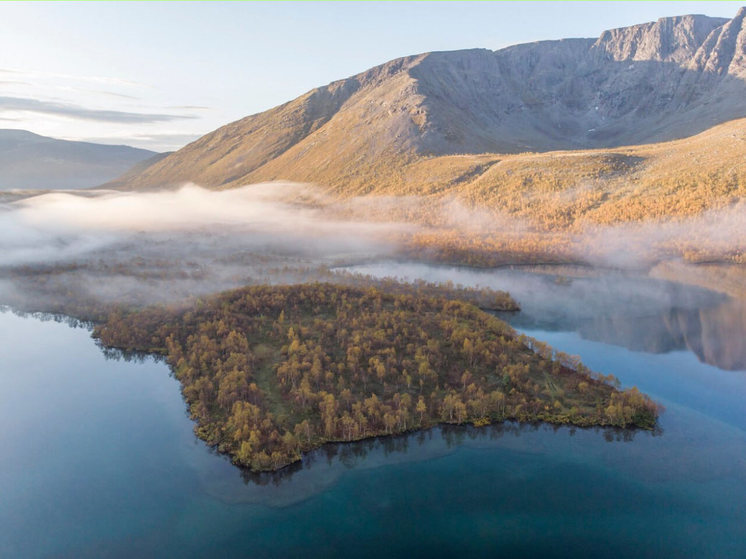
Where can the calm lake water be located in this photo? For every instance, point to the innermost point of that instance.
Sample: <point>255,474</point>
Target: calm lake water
<point>99,460</point>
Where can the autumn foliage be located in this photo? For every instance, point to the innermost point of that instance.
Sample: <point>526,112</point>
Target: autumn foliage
<point>272,372</point>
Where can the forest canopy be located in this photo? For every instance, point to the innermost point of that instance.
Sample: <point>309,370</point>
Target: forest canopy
<point>271,372</point>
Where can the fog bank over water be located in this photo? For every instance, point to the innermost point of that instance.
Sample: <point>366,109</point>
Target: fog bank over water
<point>146,247</point>
<point>56,226</point>
<point>289,216</point>
<point>577,292</point>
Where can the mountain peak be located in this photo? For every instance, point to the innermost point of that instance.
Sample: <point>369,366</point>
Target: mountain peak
<point>670,39</point>
<point>650,82</point>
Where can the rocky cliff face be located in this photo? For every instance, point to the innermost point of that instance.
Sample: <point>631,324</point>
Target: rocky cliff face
<point>651,82</point>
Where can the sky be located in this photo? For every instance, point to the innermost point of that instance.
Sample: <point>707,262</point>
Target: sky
<point>158,75</point>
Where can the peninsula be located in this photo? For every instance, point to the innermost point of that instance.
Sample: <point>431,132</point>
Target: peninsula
<point>271,372</point>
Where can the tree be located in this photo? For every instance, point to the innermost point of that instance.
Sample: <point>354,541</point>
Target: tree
<point>421,408</point>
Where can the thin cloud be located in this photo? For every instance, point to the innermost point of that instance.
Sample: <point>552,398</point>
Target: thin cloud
<point>73,77</point>
<point>113,94</point>
<point>77,112</point>
<point>189,108</point>
<point>174,138</point>
<point>156,142</point>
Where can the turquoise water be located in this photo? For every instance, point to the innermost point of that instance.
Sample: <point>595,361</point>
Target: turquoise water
<point>99,459</point>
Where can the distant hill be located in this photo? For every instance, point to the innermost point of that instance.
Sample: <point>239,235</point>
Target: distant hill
<point>653,82</point>
<point>30,161</point>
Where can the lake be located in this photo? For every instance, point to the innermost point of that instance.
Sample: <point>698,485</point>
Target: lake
<point>99,458</point>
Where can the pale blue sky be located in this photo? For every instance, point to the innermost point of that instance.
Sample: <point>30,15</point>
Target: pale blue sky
<point>159,74</point>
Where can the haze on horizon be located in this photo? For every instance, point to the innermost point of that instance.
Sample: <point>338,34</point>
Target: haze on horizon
<point>158,75</point>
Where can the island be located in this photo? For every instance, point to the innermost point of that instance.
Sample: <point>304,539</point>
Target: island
<point>272,372</point>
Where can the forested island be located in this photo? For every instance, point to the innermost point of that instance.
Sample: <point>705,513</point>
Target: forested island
<point>270,372</point>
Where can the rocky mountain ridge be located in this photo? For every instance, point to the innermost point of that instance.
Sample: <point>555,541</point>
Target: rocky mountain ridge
<point>647,83</point>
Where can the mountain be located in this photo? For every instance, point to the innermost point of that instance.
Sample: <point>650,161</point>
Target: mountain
<point>30,161</point>
<point>646,83</point>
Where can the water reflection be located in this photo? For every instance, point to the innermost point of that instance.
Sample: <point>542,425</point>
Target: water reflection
<point>624,309</point>
<point>48,317</point>
<point>715,334</point>
<point>321,469</point>
<point>128,355</point>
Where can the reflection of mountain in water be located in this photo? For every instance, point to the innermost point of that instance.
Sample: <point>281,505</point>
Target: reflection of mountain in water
<point>612,306</point>
<point>638,313</point>
<point>716,335</point>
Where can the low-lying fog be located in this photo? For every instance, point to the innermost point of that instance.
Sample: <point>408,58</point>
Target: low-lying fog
<point>156,246</point>
<point>299,219</point>
<point>60,226</point>
<point>144,247</point>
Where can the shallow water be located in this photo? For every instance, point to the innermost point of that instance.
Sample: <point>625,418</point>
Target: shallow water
<point>99,459</point>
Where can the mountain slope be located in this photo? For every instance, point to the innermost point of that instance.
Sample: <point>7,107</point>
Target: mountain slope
<point>651,82</point>
<point>30,161</point>
<point>567,189</point>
